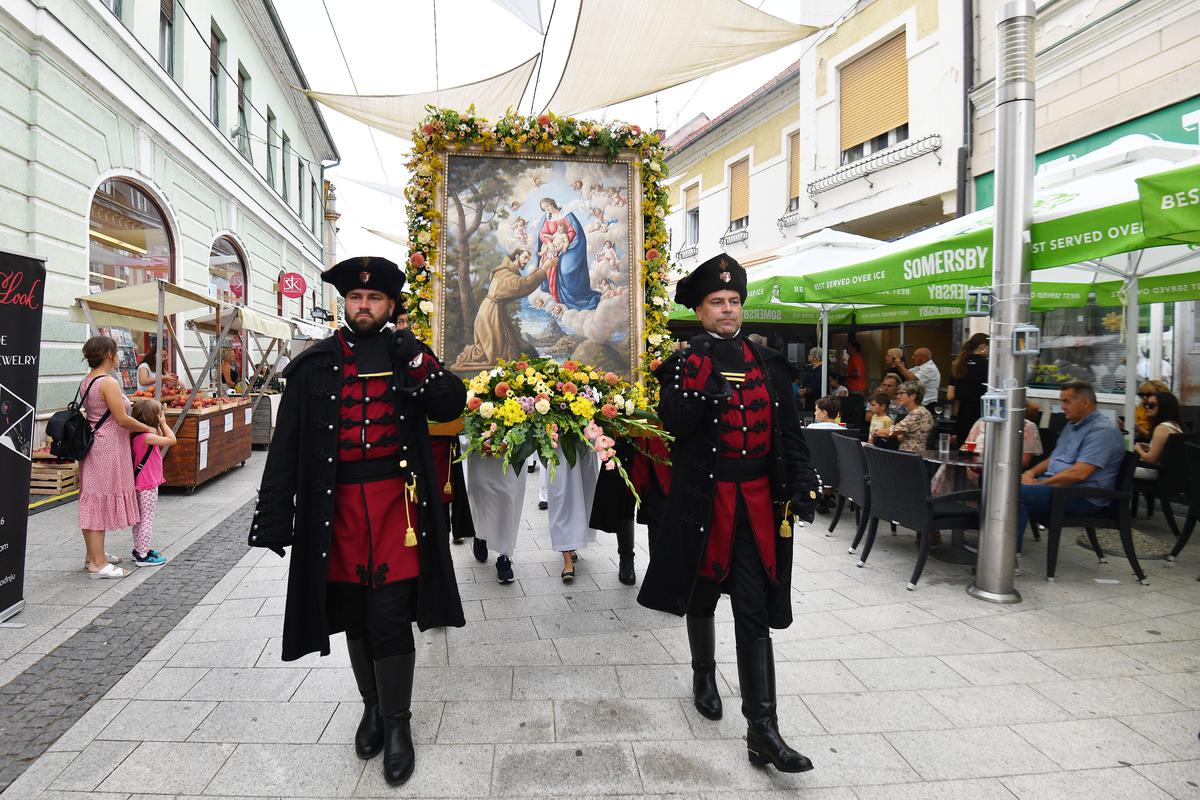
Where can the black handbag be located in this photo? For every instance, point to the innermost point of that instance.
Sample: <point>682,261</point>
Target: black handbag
<point>71,435</point>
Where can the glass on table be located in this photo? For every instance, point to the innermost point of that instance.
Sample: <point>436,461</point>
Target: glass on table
<point>943,444</point>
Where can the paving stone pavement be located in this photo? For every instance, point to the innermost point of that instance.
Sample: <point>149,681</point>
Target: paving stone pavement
<point>1085,689</point>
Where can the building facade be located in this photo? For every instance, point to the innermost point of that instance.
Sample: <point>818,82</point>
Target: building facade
<point>1105,69</point>
<point>861,134</point>
<point>149,139</point>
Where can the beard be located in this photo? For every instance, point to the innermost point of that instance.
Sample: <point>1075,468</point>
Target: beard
<point>366,325</point>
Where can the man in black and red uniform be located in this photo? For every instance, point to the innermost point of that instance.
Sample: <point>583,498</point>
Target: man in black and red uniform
<point>350,484</point>
<point>740,470</point>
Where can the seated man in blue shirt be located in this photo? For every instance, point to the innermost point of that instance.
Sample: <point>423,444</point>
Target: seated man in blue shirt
<point>1088,453</point>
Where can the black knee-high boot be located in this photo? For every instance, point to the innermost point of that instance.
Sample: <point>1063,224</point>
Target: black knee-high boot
<point>764,745</point>
<point>702,639</point>
<point>394,677</point>
<point>368,739</point>
<point>625,572</point>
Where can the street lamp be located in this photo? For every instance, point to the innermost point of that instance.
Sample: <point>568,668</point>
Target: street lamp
<point>1010,330</point>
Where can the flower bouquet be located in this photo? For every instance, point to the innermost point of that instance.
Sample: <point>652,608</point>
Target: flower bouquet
<point>539,407</point>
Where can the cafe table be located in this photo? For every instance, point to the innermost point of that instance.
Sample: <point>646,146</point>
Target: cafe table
<point>957,462</point>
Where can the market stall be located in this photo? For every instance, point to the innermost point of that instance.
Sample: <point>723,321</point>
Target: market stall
<point>213,432</point>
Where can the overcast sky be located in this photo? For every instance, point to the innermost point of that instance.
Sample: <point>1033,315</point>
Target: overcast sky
<point>389,45</point>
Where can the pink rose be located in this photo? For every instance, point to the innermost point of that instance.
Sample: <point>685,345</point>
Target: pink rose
<point>522,366</point>
<point>655,364</point>
<point>501,389</point>
<point>474,403</point>
<point>417,259</point>
<point>609,410</point>
<point>611,378</point>
<point>571,366</point>
<point>570,388</point>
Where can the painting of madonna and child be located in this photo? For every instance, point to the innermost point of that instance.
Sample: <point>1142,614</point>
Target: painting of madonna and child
<point>539,260</point>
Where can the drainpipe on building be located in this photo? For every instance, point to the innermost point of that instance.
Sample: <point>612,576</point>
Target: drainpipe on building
<point>968,80</point>
<point>1010,306</point>
<point>329,232</point>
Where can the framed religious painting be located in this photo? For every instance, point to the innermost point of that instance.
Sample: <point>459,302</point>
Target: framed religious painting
<point>541,256</point>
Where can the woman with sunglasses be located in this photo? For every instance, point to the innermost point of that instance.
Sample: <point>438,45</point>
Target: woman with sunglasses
<point>1162,410</point>
<point>1146,390</point>
<point>913,430</point>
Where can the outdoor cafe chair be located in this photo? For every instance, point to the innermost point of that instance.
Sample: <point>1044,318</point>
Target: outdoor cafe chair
<point>1170,482</point>
<point>822,456</point>
<point>900,493</point>
<point>1191,459</point>
<point>852,483</point>
<point>1117,515</point>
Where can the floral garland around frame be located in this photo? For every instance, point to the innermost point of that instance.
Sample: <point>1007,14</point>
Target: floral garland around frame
<point>445,130</point>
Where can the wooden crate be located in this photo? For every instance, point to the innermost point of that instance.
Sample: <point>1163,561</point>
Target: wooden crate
<point>49,478</point>
<point>206,449</point>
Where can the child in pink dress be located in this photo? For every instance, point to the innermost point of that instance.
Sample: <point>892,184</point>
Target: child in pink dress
<point>148,456</point>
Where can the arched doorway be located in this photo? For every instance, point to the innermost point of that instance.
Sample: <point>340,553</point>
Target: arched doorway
<point>129,243</point>
<point>228,279</point>
<point>228,275</point>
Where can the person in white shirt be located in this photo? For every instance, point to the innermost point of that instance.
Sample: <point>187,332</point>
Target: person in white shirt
<point>926,373</point>
<point>828,414</point>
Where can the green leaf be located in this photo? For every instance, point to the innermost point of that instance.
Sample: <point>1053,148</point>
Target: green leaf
<point>569,451</point>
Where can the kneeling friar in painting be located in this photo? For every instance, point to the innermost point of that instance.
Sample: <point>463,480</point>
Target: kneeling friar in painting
<point>740,477</point>
<point>350,484</point>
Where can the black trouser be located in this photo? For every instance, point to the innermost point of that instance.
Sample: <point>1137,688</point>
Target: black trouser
<point>382,616</point>
<point>747,586</point>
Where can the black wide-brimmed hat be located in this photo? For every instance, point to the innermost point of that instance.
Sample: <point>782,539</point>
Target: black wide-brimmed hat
<point>719,272</point>
<point>367,272</point>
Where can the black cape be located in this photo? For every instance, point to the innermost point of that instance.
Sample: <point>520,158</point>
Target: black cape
<point>295,501</point>
<point>675,559</point>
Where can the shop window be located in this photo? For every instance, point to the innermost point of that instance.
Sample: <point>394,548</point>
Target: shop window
<point>1086,344</point>
<point>128,243</point>
<point>691,217</point>
<point>279,295</point>
<point>227,272</point>
<point>128,238</point>
<point>739,195</point>
<point>874,100</point>
<point>166,36</point>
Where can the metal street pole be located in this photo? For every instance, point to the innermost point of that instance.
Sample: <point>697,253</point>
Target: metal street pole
<point>1010,306</point>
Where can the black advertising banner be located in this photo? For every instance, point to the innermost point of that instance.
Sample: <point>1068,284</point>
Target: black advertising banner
<point>22,285</point>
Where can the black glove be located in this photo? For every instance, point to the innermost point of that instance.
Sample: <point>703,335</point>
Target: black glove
<point>804,505</point>
<point>405,346</point>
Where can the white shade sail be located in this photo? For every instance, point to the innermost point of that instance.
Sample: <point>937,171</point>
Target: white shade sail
<point>528,11</point>
<point>399,114</point>
<point>136,307</point>
<point>631,48</point>
<point>394,238</point>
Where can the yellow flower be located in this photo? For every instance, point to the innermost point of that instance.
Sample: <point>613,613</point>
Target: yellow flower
<point>582,407</point>
<point>581,377</point>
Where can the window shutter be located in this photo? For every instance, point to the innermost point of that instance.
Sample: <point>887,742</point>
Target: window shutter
<point>739,190</point>
<point>167,10</point>
<point>691,198</point>
<point>874,90</point>
<point>794,165</point>
<point>214,53</point>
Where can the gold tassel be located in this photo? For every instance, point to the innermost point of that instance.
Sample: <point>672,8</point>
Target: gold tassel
<point>410,537</point>
<point>785,526</point>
